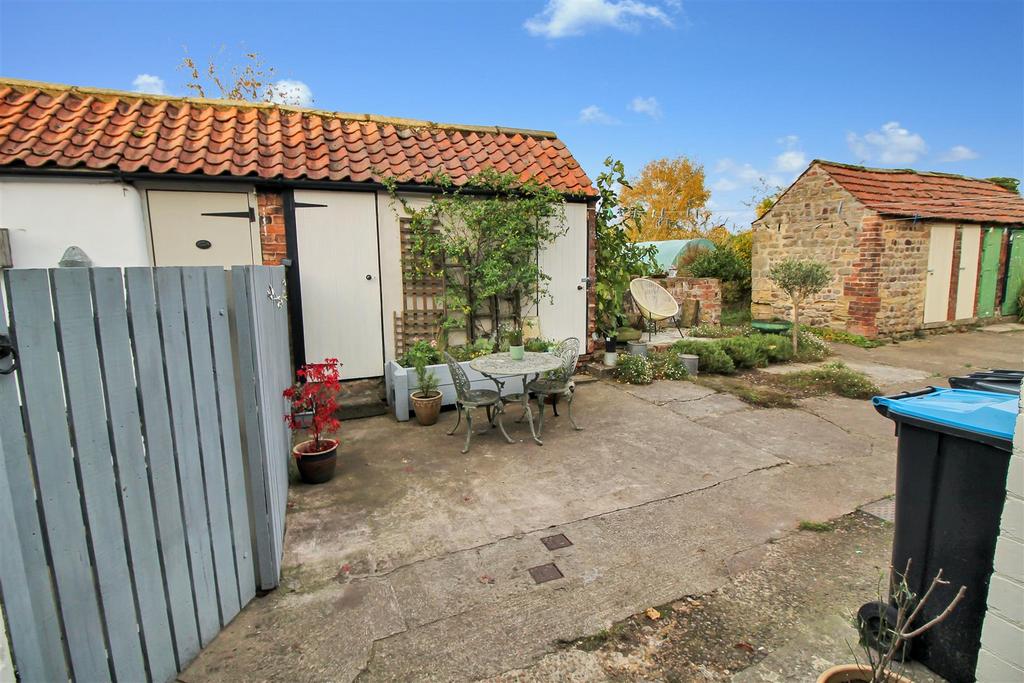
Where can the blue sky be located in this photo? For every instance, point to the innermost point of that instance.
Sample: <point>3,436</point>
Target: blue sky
<point>750,89</point>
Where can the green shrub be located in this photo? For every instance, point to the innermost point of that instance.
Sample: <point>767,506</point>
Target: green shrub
<point>745,352</point>
<point>634,369</point>
<point>539,345</point>
<point>776,348</point>
<point>464,352</point>
<point>422,351</point>
<point>724,263</point>
<point>711,356</point>
<point>811,347</point>
<point>843,337</point>
<point>832,377</point>
<point>667,365</point>
<point>719,331</point>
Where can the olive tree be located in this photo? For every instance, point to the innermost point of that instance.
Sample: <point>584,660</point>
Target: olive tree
<point>799,280</point>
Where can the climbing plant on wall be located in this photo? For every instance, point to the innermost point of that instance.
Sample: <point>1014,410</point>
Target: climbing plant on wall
<point>484,238</point>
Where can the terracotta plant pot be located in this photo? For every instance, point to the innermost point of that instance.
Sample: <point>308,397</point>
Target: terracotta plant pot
<point>427,409</point>
<point>855,673</point>
<point>516,352</point>
<point>316,467</point>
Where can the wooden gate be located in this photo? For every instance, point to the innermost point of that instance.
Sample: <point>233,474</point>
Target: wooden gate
<point>124,510</point>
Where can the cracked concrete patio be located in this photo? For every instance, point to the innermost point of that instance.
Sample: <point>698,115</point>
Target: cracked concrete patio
<point>412,563</point>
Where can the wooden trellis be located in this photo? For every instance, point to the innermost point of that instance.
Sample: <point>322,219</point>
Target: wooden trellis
<point>422,299</point>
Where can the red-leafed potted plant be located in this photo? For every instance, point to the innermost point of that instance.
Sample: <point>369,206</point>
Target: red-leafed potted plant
<point>313,400</point>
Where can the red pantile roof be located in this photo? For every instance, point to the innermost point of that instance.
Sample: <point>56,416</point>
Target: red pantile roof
<point>46,125</point>
<point>899,192</point>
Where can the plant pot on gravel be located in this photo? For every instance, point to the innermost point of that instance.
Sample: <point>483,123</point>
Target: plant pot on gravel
<point>316,463</point>
<point>427,408</point>
<point>313,400</point>
<point>426,400</point>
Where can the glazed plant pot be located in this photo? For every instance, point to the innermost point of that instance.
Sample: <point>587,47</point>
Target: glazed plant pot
<point>611,358</point>
<point>426,408</point>
<point>316,467</point>
<point>855,673</point>
<point>516,352</point>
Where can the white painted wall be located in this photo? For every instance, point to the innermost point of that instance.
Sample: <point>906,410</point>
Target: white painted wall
<point>1002,637</point>
<point>45,216</point>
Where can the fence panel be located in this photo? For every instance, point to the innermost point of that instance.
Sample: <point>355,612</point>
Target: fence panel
<point>122,420</point>
<point>264,370</point>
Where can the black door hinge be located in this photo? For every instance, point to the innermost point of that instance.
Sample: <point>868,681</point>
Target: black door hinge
<point>250,214</point>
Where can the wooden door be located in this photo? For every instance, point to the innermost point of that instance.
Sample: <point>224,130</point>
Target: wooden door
<point>940,268</point>
<point>564,314</point>
<point>989,276</point>
<point>967,280</point>
<point>201,228</point>
<point>1014,273</point>
<point>339,278</point>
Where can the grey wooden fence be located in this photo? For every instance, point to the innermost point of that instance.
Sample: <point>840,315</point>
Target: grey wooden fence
<point>138,512</point>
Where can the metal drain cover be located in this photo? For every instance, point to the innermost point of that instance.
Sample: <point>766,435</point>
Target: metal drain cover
<point>884,509</point>
<point>545,572</point>
<point>555,542</point>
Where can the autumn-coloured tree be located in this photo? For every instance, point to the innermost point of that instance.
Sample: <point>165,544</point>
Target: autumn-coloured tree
<point>674,198</point>
<point>253,81</point>
<point>764,198</point>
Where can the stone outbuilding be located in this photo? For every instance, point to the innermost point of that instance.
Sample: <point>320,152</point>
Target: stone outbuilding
<point>908,250</point>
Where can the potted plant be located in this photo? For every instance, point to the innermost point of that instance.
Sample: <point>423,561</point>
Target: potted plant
<point>611,355</point>
<point>886,629</point>
<point>426,400</point>
<point>515,344</point>
<point>313,400</point>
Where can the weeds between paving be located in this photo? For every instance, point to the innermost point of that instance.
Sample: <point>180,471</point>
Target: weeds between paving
<point>767,390</point>
<point>800,580</point>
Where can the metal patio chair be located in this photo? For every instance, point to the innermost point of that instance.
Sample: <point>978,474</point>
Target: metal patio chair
<point>467,398</point>
<point>559,383</point>
<point>655,303</point>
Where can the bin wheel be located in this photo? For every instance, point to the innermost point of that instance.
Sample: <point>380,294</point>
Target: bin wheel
<point>875,624</point>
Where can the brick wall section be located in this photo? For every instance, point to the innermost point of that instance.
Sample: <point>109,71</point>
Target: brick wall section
<point>270,211</point>
<point>1002,636</point>
<point>706,290</point>
<point>806,224</point>
<point>861,287</point>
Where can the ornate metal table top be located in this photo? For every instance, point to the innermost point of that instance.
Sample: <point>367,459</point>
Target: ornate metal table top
<point>501,364</point>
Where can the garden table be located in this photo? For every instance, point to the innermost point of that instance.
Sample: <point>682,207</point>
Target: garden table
<point>498,365</point>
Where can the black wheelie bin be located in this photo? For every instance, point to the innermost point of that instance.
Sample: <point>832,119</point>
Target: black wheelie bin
<point>998,381</point>
<point>952,459</point>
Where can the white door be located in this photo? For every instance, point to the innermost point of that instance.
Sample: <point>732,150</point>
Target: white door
<point>940,267</point>
<point>339,276</point>
<point>967,284</point>
<point>201,228</point>
<point>565,261</point>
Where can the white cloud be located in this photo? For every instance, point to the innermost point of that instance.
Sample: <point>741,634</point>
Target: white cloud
<point>646,105</point>
<point>561,18</point>
<point>892,144</point>
<point>790,161</point>
<point>295,93</point>
<point>148,83</point>
<point>724,185</point>
<point>594,114</point>
<point>958,153</point>
<point>744,173</point>
<point>789,141</point>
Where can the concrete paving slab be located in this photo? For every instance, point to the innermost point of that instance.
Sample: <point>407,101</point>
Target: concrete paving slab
<point>1003,328</point>
<point>709,407</point>
<point>664,391</point>
<point>796,436</point>
<point>389,568</point>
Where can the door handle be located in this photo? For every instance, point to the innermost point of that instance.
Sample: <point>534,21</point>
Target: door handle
<point>369,277</point>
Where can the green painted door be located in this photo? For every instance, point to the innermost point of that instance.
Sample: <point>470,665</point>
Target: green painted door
<point>1014,273</point>
<point>989,274</point>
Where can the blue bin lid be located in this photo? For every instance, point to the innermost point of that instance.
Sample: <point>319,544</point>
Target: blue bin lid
<point>981,412</point>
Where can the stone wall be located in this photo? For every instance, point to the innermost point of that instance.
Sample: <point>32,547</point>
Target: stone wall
<point>806,223</point>
<point>880,265</point>
<point>706,290</point>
